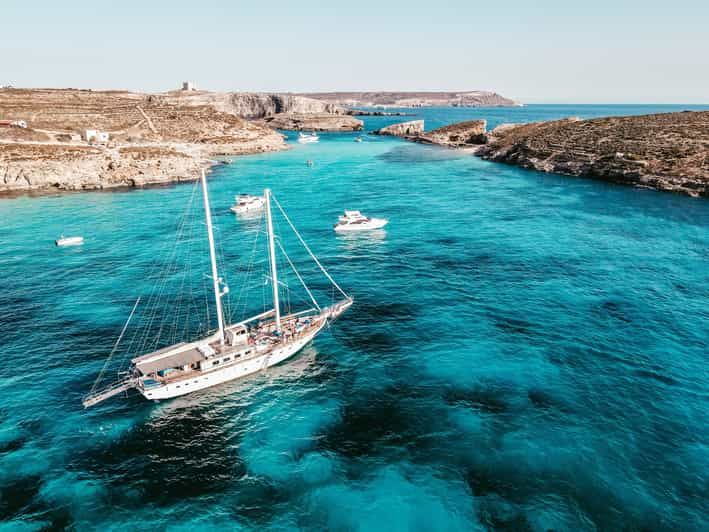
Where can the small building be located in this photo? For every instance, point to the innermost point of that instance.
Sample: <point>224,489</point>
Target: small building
<point>93,135</point>
<point>188,86</point>
<point>13,123</point>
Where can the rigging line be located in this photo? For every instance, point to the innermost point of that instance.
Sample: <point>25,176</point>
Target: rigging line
<point>322,268</point>
<point>312,298</point>
<point>151,307</point>
<point>163,268</point>
<point>243,289</point>
<point>115,346</point>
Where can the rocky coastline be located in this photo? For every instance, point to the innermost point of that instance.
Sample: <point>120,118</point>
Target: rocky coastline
<point>668,151</point>
<point>152,138</point>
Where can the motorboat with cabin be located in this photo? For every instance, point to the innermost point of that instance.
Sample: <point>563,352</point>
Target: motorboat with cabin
<point>233,350</point>
<point>247,203</point>
<point>308,138</point>
<point>356,221</point>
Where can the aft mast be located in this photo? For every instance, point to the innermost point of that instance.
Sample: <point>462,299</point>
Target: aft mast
<point>272,258</point>
<point>215,275</point>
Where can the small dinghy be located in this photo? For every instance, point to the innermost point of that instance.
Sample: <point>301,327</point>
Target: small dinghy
<point>358,139</point>
<point>247,203</point>
<point>308,138</point>
<point>69,241</point>
<point>356,221</point>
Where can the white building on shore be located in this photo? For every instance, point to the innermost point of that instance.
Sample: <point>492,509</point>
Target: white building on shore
<point>93,135</point>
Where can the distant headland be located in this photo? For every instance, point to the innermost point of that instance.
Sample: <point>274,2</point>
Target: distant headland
<point>413,99</point>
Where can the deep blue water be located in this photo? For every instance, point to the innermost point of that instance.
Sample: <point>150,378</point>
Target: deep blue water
<point>526,351</point>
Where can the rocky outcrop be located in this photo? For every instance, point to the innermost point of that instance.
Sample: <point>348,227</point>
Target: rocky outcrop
<point>667,151</point>
<point>411,129</point>
<point>460,135</point>
<point>313,122</point>
<point>414,99</point>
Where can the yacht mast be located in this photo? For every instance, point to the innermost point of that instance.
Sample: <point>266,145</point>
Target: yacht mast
<point>215,275</point>
<point>272,258</point>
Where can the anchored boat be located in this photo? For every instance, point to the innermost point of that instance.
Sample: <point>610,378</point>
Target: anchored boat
<point>234,350</point>
<point>308,138</point>
<point>247,203</point>
<point>356,221</point>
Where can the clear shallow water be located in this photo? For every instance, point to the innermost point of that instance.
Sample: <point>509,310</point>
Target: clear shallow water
<point>526,351</point>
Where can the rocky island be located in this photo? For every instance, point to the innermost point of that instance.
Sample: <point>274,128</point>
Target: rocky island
<point>668,151</point>
<point>72,139</point>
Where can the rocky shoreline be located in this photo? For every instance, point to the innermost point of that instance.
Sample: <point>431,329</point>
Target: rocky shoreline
<point>152,139</point>
<point>668,151</point>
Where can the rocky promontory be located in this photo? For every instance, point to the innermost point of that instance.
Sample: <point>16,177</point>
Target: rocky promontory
<point>313,122</point>
<point>668,151</point>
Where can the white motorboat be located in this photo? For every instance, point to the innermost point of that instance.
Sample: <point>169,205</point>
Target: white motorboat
<point>233,350</point>
<point>356,221</point>
<point>308,138</point>
<point>358,139</point>
<point>247,203</point>
<point>64,241</point>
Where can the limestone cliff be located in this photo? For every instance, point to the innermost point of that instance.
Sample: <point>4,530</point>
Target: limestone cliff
<point>254,105</point>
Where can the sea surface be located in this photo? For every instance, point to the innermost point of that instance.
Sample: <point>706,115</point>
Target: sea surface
<point>525,352</point>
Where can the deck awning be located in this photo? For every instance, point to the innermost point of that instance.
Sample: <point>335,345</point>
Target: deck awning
<point>174,360</point>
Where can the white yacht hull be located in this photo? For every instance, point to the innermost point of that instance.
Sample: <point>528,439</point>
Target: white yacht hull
<point>228,373</point>
<point>374,223</point>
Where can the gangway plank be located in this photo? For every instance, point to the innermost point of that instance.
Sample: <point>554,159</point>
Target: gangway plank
<point>106,393</point>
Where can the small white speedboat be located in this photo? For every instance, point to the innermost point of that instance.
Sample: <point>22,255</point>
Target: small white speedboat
<point>356,221</point>
<point>358,139</point>
<point>247,203</point>
<point>69,241</point>
<point>308,138</point>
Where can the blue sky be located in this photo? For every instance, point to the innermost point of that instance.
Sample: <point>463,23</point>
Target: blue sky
<point>547,51</point>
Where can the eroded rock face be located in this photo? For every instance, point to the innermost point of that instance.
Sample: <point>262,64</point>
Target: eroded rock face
<point>255,105</point>
<point>668,151</point>
<point>460,135</point>
<point>410,129</point>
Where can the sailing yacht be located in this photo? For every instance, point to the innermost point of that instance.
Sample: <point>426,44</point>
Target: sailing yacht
<point>234,350</point>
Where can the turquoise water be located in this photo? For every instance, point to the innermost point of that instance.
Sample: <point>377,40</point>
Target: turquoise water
<point>525,352</point>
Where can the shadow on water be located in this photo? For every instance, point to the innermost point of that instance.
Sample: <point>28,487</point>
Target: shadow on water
<point>419,154</point>
<point>186,455</point>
